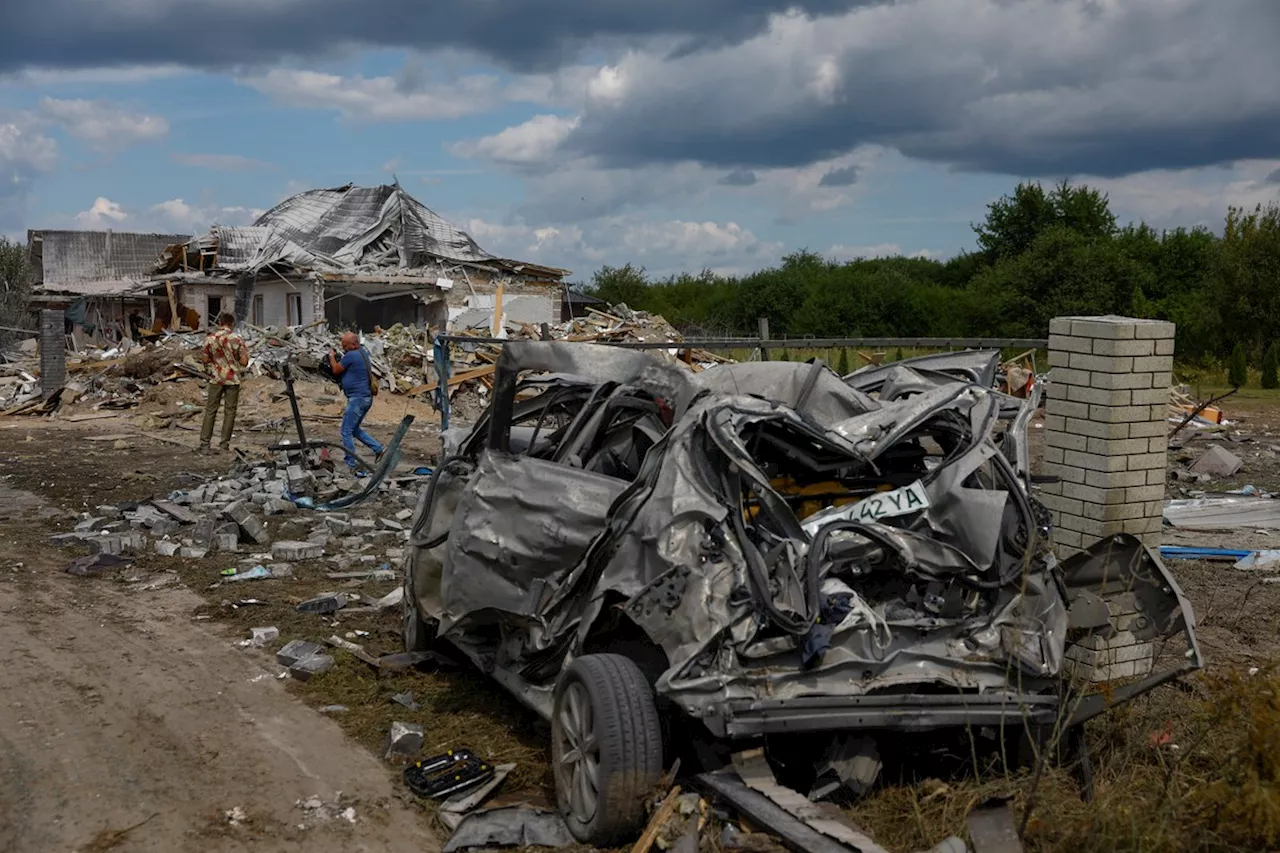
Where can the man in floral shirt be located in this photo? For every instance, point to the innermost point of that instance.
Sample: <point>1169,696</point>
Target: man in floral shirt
<point>227,357</point>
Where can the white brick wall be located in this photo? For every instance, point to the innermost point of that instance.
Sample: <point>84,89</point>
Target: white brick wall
<point>1105,431</point>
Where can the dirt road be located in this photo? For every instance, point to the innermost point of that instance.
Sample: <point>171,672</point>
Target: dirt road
<point>121,709</point>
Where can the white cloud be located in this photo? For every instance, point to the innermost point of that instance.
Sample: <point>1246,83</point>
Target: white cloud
<point>378,98</point>
<point>104,213</point>
<point>22,149</point>
<point>664,247</point>
<point>102,123</point>
<point>220,162</point>
<point>24,153</point>
<point>532,143</point>
<point>841,252</point>
<point>174,216</point>
<point>1169,198</point>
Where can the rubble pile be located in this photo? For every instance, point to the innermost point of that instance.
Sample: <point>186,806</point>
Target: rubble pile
<point>402,357</point>
<point>472,364</point>
<point>258,512</point>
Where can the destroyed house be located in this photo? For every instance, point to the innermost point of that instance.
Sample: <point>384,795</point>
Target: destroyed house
<point>95,276</point>
<point>357,257</point>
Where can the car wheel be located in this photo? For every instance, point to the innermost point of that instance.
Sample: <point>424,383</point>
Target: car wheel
<point>418,634</point>
<point>606,748</point>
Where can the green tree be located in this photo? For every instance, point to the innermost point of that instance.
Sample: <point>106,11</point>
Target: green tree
<point>1064,272</point>
<point>1247,285</point>
<point>1271,367</point>
<point>15,289</point>
<point>620,284</point>
<point>1015,222</point>
<point>1238,367</point>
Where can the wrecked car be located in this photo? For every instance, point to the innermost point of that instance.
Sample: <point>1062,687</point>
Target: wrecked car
<point>664,563</point>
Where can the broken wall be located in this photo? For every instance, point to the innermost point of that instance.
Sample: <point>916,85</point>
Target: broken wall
<point>271,303</point>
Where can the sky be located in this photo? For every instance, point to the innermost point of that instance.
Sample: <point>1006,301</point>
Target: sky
<point>678,135</point>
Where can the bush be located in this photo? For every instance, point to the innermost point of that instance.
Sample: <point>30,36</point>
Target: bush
<point>1238,367</point>
<point>1271,367</point>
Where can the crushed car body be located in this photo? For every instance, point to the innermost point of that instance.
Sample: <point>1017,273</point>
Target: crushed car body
<point>774,551</point>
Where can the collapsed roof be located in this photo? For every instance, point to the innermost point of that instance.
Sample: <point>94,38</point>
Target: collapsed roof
<point>347,230</point>
<point>94,263</point>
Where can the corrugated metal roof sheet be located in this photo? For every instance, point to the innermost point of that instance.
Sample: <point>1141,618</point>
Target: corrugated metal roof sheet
<point>347,228</point>
<point>99,263</point>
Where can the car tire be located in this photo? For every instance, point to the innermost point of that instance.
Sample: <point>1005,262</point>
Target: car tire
<point>418,634</point>
<point>605,729</point>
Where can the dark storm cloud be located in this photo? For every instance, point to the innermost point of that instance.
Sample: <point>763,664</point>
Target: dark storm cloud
<point>846,177</point>
<point>1035,87</point>
<point>524,34</point>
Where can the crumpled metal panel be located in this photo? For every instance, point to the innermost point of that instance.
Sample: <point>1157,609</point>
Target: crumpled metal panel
<point>346,229</point>
<point>827,399</point>
<point>100,263</point>
<point>520,527</point>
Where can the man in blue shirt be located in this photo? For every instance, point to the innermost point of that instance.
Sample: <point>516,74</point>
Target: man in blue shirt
<point>358,385</point>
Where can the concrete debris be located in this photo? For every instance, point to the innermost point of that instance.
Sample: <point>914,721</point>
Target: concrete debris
<point>224,514</point>
<point>296,551</point>
<point>404,740</point>
<point>309,667</point>
<point>1218,462</point>
<point>263,636</point>
<point>297,650</point>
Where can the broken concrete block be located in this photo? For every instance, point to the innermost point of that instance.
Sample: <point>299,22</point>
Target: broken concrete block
<point>283,505</point>
<point>1218,462</point>
<point>309,667</point>
<point>166,548</point>
<point>338,526</point>
<point>404,740</point>
<point>90,524</point>
<point>132,543</point>
<point>390,524</point>
<point>404,515</point>
<point>299,480</point>
<point>114,527</point>
<point>110,544</point>
<point>353,543</point>
<point>226,542</point>
<point>296,650</point>
<point>108,511</point>
<point>263,636</point>
<point>290,550</point>
<point>202,536</point>
<point>164,527</point>
<point>363,525</point>
<point>193,552</point>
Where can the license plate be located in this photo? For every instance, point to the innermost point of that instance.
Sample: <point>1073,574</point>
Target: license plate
<point>904,501</point>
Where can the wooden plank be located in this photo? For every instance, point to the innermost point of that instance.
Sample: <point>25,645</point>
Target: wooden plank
<point>455,380</point>
<point>173,305</point>
<point>75,419</point>
<point>497,311</point>
<point>659,819</point>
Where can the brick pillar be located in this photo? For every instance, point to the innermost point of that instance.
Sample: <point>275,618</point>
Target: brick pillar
<point>1106,435</point>
<point>53,352</point>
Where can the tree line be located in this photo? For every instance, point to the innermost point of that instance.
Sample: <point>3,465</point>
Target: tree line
<point>1041,253</point>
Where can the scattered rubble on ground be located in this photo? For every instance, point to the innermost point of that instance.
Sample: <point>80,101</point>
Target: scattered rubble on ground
<point>402,357</point>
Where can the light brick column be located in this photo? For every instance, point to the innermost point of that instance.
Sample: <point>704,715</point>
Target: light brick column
<point>1106,431</point>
